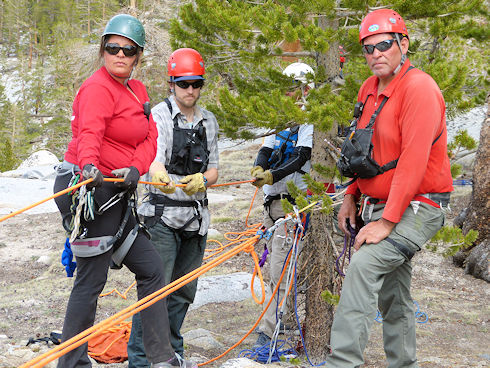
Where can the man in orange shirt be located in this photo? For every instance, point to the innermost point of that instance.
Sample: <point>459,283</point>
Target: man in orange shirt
<point>402,198</point>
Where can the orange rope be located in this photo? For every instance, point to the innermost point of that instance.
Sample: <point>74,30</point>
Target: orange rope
<point>84,336</point>
<point>45,200</point>
<point>258,319</point>
<point>108,180</point>
<point>123,295</point>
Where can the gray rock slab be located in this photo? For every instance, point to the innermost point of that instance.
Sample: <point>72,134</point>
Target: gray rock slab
<point>232,287</point>
<point>201,338</point>
<point>242,363</point>
<point>17,193</point>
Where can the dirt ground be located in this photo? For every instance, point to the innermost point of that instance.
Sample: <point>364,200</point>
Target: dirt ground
<point>33,294</point>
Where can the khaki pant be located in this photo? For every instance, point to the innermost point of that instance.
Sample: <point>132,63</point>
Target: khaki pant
<point>379,276</point>
<point>278,245</point>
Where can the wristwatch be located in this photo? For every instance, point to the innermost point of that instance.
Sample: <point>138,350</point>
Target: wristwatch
<point>205,180</point>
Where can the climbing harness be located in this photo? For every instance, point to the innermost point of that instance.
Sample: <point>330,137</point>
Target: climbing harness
<point>83,211</point>
<point>161,201</point>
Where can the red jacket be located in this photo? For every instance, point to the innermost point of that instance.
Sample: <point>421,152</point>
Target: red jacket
<point>411,119</point>
<point>109,128</point>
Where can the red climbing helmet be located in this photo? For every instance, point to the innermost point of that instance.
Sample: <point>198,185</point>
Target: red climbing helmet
<point>382,21</point>
<point>185,64</point>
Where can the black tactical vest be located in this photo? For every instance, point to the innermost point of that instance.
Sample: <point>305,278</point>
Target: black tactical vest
<point>190,154</point>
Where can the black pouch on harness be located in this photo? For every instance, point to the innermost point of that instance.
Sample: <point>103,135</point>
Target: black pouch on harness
<point>356,159</point>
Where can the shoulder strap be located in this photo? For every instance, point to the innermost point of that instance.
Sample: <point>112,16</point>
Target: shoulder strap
<point>169,105</point>
<point>376,113</point>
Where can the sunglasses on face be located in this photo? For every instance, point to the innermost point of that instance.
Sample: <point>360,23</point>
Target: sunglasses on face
<point>381,46</point>
<point>113,49</point>
<point>184,84</point>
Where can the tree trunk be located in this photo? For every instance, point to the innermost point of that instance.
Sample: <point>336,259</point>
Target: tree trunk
<point>318,272</point>
<point>478,217</point>
<point>317,257</point>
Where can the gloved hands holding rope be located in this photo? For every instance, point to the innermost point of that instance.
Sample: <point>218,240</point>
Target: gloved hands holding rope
<point>91,172</point>
<point>131,175</point>
<point>261,177</point>
<point>162,177</point>
<point>195,183</point>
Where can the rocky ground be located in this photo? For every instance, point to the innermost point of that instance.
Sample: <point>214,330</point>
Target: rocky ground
<point>34,290</point>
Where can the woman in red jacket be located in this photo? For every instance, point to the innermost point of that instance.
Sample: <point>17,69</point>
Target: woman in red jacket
<point>113,135</point>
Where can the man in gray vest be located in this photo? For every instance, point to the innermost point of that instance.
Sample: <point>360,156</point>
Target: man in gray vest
<point>178,218</point>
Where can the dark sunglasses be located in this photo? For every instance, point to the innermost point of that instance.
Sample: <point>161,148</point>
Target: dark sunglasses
<point>381,46</point>
<point>184,84</point>
<point>113,49</point>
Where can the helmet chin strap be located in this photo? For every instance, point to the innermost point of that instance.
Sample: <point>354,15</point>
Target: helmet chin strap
<point>404,56</point>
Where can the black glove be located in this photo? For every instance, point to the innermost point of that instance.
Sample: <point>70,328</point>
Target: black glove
<point>131,175</point>
<point>90,171</point>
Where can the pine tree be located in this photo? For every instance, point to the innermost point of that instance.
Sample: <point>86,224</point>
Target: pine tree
<point>241,45</point>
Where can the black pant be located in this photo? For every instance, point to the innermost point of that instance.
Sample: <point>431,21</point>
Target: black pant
<point>142,259</point>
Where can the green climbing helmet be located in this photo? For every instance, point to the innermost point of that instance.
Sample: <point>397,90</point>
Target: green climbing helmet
<point>128,26</point>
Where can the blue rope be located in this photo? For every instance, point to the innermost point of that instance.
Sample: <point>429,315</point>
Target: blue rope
<point>420,317</point>
<point>261,354</point>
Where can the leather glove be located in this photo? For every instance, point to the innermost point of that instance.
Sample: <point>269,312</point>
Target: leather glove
<point>263,178</point>
<point>162,177</point>
<point>131,175</point>
<point>195,183</point>
<point>255,170</point>
<point>90,171</point>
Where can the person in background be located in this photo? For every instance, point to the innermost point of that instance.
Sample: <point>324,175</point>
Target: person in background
<point>178,218</point>
<point>113,135</point>
<point>284,156</point>
<point>402,205</point>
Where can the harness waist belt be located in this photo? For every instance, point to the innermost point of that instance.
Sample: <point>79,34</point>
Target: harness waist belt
<point>441,199</point>
<point>269,198</point>
<point>90,247</point>
<point>168,202</point>
<point>434,199</point>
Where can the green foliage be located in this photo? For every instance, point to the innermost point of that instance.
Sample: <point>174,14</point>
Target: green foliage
<point>456,170</point>
<point>7,158</point>
<point>462,141</point>
<point>330,298</point>
<point>454,240</point>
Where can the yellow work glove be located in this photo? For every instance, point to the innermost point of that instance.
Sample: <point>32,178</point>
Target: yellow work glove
<point>255,170</point>
<point>263,178</point>
<point>162,177</point>
<point>194,183</point>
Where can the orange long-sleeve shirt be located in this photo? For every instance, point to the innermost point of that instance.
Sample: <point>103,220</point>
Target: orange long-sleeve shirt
<point>412,118</point>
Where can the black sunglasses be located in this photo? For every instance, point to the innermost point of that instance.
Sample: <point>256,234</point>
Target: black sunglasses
<point>184,84</point>
<point>381,46</point>
<point>113,49</point>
